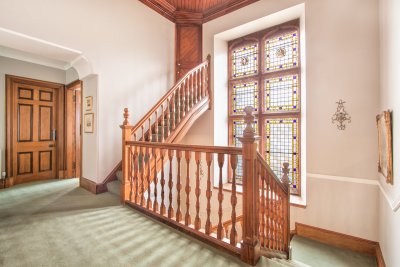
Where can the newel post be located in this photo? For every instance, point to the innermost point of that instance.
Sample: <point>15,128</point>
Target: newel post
<point>250,246</point>
<point>126,136</point>
<point>285,181</point>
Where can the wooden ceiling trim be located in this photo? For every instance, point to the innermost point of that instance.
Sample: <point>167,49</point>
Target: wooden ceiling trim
<point>195,11</point>
<point>220,11</point>
<point>162,7</point>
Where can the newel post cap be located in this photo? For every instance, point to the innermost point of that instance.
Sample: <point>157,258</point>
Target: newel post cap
<point>285,170</point>
<point>125,123</point>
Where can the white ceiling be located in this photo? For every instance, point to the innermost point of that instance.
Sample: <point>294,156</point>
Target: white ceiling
<point>27,48</point>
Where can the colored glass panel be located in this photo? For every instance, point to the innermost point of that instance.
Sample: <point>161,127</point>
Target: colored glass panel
<point>244,95</point>
<point>238,127</point>
<point>281,145</point>
<point>245,61</point>
<point>281,52</point>
<point>282,93</point>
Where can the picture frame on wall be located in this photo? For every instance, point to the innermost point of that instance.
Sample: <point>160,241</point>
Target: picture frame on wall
<point>385,152</point>
<point>89,123</point>
<point>88,103</point>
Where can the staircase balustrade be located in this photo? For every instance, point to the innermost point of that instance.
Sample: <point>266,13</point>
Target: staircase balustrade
<point>164,180</point>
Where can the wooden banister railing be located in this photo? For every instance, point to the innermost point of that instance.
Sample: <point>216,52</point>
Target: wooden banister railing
<point>192,88</point>
<point>164,181</point>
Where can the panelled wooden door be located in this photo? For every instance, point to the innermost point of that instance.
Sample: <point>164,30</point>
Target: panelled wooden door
<point>188,48</point>
<point>73,130</point>
<point>33,128</point>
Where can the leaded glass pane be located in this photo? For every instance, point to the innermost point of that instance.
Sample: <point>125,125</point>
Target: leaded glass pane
<point>243,95</point>
<point>281,52</point>
<point>282,93</point>
<point>245,61</point>
<point>238,127</point>
<point>281,145</point>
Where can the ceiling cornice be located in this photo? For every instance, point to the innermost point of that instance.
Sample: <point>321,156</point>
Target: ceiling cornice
<point>176,15</point>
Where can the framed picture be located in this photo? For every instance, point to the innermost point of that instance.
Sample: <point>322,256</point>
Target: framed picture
<point>89,123</point>
<point>385,154</point>
<point>88,103</point>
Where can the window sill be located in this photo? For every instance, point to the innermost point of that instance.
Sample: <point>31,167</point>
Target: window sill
<point>295,201</point>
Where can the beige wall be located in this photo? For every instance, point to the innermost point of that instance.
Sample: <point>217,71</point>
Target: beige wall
<point>342,62</point>
<point>23,69</point>
<point>389,220</point>
<point>129,46</point>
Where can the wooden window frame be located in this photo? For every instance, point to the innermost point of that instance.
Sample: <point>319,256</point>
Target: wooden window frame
<point>260,114</point>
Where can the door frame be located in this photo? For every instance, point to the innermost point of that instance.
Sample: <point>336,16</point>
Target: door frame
<point>10,81</point>
<point>72,86</point>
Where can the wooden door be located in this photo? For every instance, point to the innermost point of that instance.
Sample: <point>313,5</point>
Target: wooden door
<point>73,130</point>
<point>188,48</point>
<point>34,132</point>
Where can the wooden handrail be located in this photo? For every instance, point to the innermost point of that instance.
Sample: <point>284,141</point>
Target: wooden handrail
<point>262,161</point>
<point>194,148</point>
<point>146,117</point>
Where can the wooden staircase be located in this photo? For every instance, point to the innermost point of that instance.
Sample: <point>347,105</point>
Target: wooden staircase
<point>171,117</point>
<point>158,175</point>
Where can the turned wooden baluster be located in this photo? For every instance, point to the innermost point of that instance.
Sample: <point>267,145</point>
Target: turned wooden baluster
<point>126,136</point>
<point>178,105</point>
<point>187,94</point>
<point>170,184</point>
<point>162,123</point>
<point>286,214</point>
<point>179,186</point>
<point>173,115</point>
<point>208,193</point>
<point>262,206</point>
<point>208,75</point>
<point>220,196</point>
<point>200,95</point>
<point>148,154</point>
<point>184,99</point>
<point>197,221</point>
<point>204,82</point>
<point>142,170</point>
<point>191,90</point>
<point>250,247</point>
<point>168,116</point>
<point>274,218</point>
<point>136,164</point>
<point>187,189</point>
<point>142,138</point>
<point>233,236</point>
<point>150,136</point>
<point>131,162</point>
<point>155,179</point>
<point>270,213</point>
<point>156,126</point>
<point>163,208</point>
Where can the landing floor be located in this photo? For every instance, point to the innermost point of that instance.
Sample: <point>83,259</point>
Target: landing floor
<point>56,223</point>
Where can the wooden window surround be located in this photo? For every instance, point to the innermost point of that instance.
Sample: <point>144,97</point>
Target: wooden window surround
<point>247,83</point>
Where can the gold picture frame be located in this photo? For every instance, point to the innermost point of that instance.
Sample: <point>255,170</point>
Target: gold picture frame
<point>88,103</point>
<point>89,123</point>
<point>385,153</point>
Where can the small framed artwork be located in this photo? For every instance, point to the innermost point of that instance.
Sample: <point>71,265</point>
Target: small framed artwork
<point>88,103</point>
<point>89,123</point>
<point>385,154</point>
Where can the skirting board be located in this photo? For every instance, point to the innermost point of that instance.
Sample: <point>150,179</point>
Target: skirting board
<point>340,240</point>
<point>91,186</point>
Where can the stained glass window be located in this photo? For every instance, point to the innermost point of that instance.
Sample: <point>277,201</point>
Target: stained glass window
<point>243,95</point>
<point>282,93</point>
<point>281,145</point>
<point>238,127</point>
<point>281,52</point>
<point>245,61</point>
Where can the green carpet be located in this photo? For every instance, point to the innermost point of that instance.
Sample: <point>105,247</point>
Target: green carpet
<point>56,223</point>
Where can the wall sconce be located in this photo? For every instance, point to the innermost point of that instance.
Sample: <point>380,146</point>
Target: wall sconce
<point>341,116</point>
